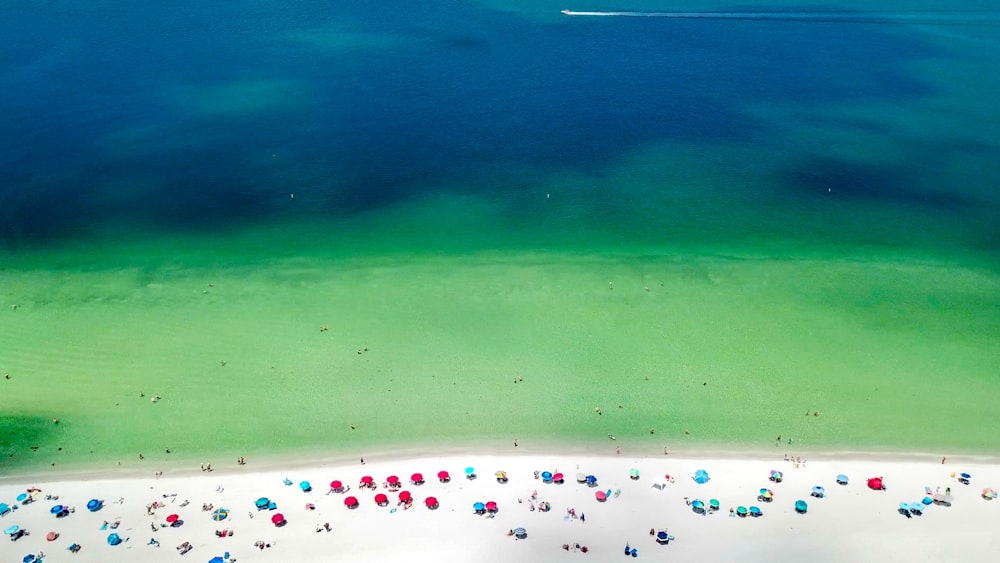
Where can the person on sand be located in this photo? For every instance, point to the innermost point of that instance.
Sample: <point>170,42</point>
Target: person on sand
<point>942,460</point>
<point>618,449</point>
<point>652,531</point>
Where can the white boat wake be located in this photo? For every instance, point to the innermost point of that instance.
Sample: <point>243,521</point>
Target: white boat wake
<point>935,18</point>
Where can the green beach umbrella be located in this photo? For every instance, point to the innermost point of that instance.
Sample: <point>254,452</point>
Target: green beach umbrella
<point>741,510</point>
<point>633,473</point>
<point>713,504</point>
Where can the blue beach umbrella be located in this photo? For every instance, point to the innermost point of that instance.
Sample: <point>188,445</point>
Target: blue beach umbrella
<point>701,477</point>
<point>11,530</point>
<point>4,508</point>
<point>546,476</point>
<point>801,506</point>
<point>305,486</point>
<point>114,539</point>
<point>697,505</point>
<point>217,559</point>
<point>965,476</point>
<point>818,491</point>
<point>591,480</point>
<point>927,501</point>
<point>29,558</point>
<point>262,502</point>
<point>755,511</point>
<point>842,479</point>
<point>22,497</point>
<point>916,507</point>
<point>57,509</point>
<point>94,505</point>
<point>469,471</point>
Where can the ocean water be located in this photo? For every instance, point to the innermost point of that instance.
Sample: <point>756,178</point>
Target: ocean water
<point>795,216</point>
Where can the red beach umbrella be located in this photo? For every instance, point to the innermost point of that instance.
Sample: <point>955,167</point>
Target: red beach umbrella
<point>278,519</point>
<point>601,496</point>
<point>491,506</point>
<point>172,518</point>
<point>392,480</point>
<point>336,485</point>
<point>405,496</point>
<point>558,478</point>
<point>351,502</point>
<point>52,536</point>
<point>416,478</point>
<point>381,499</point>
<point>875,484</point>
<point>443,476</point>
<point>431,502</point>
<point>367,480</point>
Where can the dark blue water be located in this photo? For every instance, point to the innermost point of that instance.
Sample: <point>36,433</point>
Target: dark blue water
<point>190,117</point>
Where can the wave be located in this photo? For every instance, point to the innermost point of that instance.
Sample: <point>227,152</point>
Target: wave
<point>926,18</point>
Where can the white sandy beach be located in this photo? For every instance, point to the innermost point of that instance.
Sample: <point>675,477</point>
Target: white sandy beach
<point>852,523</point>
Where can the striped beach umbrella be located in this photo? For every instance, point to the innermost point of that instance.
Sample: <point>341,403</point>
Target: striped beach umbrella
<point>989,494</point>
<point>220,514</point>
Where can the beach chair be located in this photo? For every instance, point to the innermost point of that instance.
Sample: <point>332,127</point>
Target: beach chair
<point>75,548</point>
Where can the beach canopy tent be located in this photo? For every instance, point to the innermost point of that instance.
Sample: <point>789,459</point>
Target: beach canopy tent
<point>904,507</point>
<point>367,480</point>
<point>701,477</point>
<point>94,505</point>
<point>601,496</point>
<point>546,476</point>
<point>591,480</point>
<point>381,499</point>
<point>114,539</point>
<point>663,537</point>
<point>405,496</point>
<point>876,484</point>
<point>4,508</point>
<point>220,514</point>
<point>478,507</point>
<point>278,519</point>
<point>841,479</point>
<point>11,530</point>
<point>443,476</point>
<point>520,533</point>
<point>581,478</point>
<point>755,511</point>
<point>336,485</point>
<point>558,478</point>
<point>29,558</point>
<point>351,502</point>
<point>305,486</point>
<point>491,506</point>
<point>916,507</point>
<point>431,502</point>
<point>818,491</point>
<point>417,478</point>
<point>659,485</point>
<point>801,507</point>
<point>392,480</point>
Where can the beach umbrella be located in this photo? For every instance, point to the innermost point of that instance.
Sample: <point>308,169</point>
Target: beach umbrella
<point>818,491</point>
<point>305,486</point>
<point>22,497</point>
<point>350,502</point>
<point>713,504</point>
<point>469,471</point>
<point>172,518</point>
<point>278,519</point>
<point>546,476</point>
<point>558,477</point>
<point>392,480</point>
<point>217,559</point>
<point>262,502</point>
<point>601,496</point>
<point>662,536</point>
<point>741,511</point>
<point>443,476</point>
<point>701,477</point>
<point>633,473</point>
<point>591,480</point>
<point>989,494</point>
<point>501,475</point>
<point>220,514</point>
<point>491,506</point>
<point>405,496</point>
<point>114,539</point>
<point>29,558</point>
<point>755,511</point>
<point>777,476</point>
<point>965,476</point>
<point>367,480</point>
<point>57,509</point>
<point>876,484</point>
<point>94,505</point>
<point>381,499</point>
<point>417,478</point>
<point>478,507</point>
<point>697,504</point>
<point>336,485</point>
<point>841,479</point>
<point>801,506</point>
<point>520,533</point>
<point>431,502</point>
<point>927,501</point>
<point>51,536</point>
<point>11,530</point>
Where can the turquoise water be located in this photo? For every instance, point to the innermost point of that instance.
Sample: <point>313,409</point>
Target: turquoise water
<point>805,201</point>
